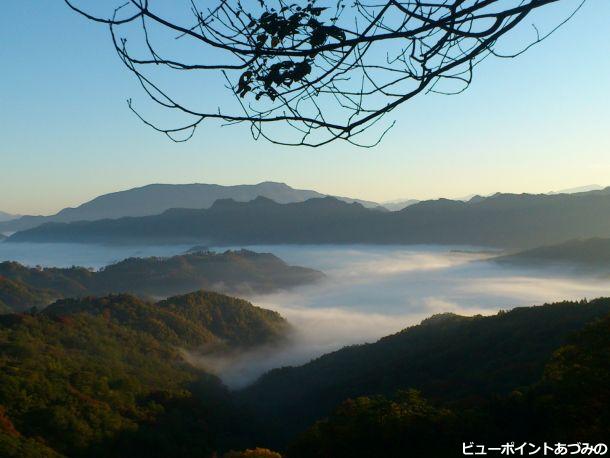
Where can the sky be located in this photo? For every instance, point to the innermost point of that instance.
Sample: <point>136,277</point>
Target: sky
<point>533,124</point>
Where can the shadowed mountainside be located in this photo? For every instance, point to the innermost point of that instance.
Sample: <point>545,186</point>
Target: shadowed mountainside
<point>567,404</point>
<point>502,220</point>
<point>446,357</point>
<point>589,254</point>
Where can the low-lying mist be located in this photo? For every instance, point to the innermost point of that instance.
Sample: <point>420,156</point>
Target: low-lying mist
<point>375,291</point>
<point>370,292</point>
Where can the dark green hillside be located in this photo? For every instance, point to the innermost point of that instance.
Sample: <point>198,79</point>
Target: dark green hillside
<point>574,394</point>
<point>19,297</point>
<point>232,272</point>
<point>405,425</point>
<point>568,404</point>
<point>84,385</point>
<point>105,376</point>
<point>190,320</point>
<point>229,319</point>
<point>593,253</point>
<point>235,272</point>
<point>447,357</point>
<point>63,282</point>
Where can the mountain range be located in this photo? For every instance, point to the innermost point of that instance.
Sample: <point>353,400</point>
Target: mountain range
<point>400,204</point>
<point>154,199</point>
<point>7,217</point>
<point>157,198</point>
<point>502,220</point>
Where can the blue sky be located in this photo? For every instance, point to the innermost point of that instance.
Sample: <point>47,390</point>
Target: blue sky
<point>532,124</point>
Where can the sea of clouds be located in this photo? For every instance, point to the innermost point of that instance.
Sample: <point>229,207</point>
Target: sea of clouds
<point>370,292</point>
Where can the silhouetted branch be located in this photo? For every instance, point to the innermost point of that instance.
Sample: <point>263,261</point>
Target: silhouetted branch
<point>325,69</point>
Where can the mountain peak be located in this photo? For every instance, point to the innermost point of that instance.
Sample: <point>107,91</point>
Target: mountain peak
<point>157,198</point>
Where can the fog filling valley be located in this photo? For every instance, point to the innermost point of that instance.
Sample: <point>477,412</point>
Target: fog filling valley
<point>370,292</point>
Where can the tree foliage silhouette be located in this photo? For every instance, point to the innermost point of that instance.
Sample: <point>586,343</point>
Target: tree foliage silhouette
<point>327,70</point>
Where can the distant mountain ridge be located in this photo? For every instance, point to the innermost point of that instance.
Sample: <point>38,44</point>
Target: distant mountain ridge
<point>587,254</point>
<point>400,204</point>
<point>7,216</point>
<point>502,220</point>
<point>397,205</point>
<point>154,199</point>
<point>587,188</point>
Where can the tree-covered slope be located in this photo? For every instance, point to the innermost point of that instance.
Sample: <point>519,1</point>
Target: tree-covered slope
<point>190,320</point>
<point>229,319</point>
<point>16,296</point>
<point>106,377</point>
<point>568,404</point>
<point>63,282</point>
<point>83,385</point>
<point>447,357</point>
<point>235,272</point>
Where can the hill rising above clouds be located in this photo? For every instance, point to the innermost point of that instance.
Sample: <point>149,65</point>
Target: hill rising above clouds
<point>236,272</point>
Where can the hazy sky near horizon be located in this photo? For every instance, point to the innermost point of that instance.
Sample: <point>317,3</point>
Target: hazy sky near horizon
<point>533,124</point>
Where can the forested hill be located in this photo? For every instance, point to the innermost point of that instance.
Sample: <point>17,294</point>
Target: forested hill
<point>588,254</point>
<point>502,220</point>
<point>189,320</point>
<point>446,357</point>
<point>568,404</point>
<point>105,376</point>
<point>17,296</point>
<point>229,272</point>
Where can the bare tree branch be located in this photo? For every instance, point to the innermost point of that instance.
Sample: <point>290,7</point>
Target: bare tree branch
<point>324,70</point>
